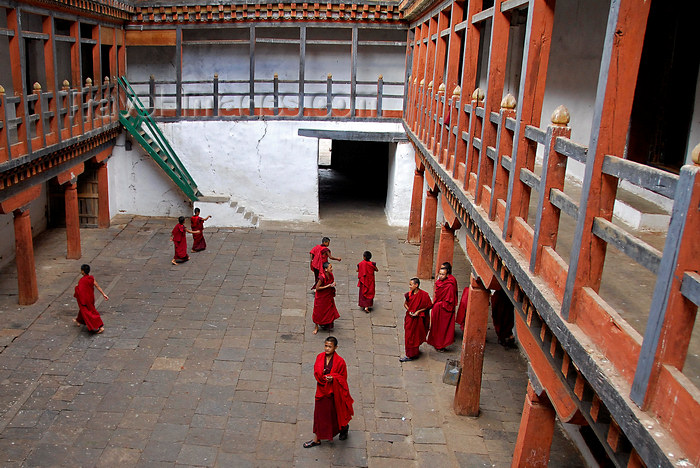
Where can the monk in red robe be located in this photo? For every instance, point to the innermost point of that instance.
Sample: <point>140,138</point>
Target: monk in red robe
<point>177,236</point>
<point>85,295</point>
<point>417,320</point>
<point>365,281</point>
<point>325,312</point>
<point>462,310</point>
<point>442,315</point>
<point>503,316</point>
<point>320,255</point>
<point>333,409</point>
<point>197,224</point>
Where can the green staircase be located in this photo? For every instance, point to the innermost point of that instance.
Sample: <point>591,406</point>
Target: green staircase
<point>139,123</point>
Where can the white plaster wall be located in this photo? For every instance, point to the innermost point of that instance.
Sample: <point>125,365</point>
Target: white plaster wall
<point>400,184</point>
<point>37,213</point>
<point>138,186</point>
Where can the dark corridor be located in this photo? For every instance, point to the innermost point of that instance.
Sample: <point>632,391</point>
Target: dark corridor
<point>356,179</point>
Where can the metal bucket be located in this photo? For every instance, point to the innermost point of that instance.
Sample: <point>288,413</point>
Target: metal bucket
<point>453,370</point>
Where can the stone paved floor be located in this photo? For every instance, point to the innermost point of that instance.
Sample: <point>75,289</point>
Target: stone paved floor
<point>210,363</point>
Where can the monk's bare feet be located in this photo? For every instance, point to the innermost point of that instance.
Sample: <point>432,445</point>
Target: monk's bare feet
<point>75,321</point>
<point>100,330</point>
<point>173,262</point>
<point>366,309</point>
<point>315,329</point>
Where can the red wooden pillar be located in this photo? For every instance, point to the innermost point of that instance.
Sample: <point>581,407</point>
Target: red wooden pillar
<point>24,246</point>
<point>73,250</point>
<point>427,243</point>
<point>536,431</point>
<point>103,217</point>
<point>446,246</point>
<point>416,206</point>
<point>468,390</point>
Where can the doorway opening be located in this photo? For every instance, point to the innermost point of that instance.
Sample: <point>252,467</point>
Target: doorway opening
<point>87,200</point>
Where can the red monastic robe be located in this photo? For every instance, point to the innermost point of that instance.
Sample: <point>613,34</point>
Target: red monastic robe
<point>415,328</point>
<point>319,257</point>
<point>198,242</point>
<point>462,311</point>
<point>85,295</point>
<point>442,315</point>
<point>365,277</point>
<point>180,241</point>
<point>333,408</point>
<point>325,312</point>
<point>503,315</point>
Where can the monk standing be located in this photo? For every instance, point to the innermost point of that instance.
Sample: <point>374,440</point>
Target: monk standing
<point>442,315</point>
<point>417,321</point>
<point>333,409</point>
<point>503,316</point>
<point>320,255</point>
<point>325,312</point>
<point>177,236</point>
<point>462,310</point>
<point>85,295</point>
<point>197,224</point>
<point>365,281</point>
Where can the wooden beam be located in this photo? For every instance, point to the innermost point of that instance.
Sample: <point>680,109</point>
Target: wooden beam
<point>150,37</point>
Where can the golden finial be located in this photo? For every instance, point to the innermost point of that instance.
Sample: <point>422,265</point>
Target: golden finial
<point>422,82</point>
<point>330,76</point>
<point>381,77</point>
<point>216,76</point>
<point>152,77</point>
<point>478,95</point>
<point>66,84</point>
<point>2,90</point>
<point>276,76</point>
<point>457,91</point>
<point>37,86</point>
<point>106,80</point>
<point>508,102</point>
<point>561,116</point>
<point>430,85</point>
<point>88,81</point>
<point>441,88</point>
<point>695,155</point>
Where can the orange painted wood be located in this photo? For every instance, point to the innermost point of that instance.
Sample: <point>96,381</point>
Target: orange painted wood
<point>500,212</point>
<point>17,83</point>
<point>76,79</point>
<point>553,271</point>
<point>468,391</point>
<point>159,37</point>
<point>107,36</point>
<point>73,250</point>
<point>70,174</point>
<point>27,288</point>
<point>446,247</point>
<point>522,236</point>
<point>427,244</point>
<point>414,230</point>
<point>535,433</point>
<point>21,200</point>
<point>614,337</point>
<point>676,402</point>
<point>485,197</point>
<point>500,188</point>
<point>481,266</point>
<point>448,213</point>
<point>431,182</point>
<point>103,218</point>
<point>472,184</point>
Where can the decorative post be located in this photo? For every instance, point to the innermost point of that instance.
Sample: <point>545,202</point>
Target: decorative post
<point>380,92</point>
<point>472,158</point>
<point>73,250</point>
<point>4,146</point>
<point>67,125</point>
<point>40,135</point>
<point>427,244</point>
<point>276,94</point>
<point>414,232</point>
<point>152,95</point>
<point>215,95</point>
<point>451,137</point>
<point>329,95</point>
<point>536,430</point>
<point>504,145</point>
<point>435,137</point>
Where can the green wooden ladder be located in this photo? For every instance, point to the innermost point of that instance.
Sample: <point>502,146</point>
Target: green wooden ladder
<point>142,127</point>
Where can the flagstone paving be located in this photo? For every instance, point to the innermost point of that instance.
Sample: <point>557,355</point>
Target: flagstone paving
<point>209,363</point>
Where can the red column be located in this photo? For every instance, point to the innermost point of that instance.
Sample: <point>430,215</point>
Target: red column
<point>536,430</point>
<point>468,390</point>
<point>416,206</point>
<point>102,197</point>
<point>446,246</point>
<point>427,243</point>
<point>72,221</point>
<point>24,258</point>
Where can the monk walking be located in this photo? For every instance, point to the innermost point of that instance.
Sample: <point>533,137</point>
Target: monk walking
<point>320,255</point>
<point>365,281</point>
<point>177,236</point>
<point>197,224</point>
<point>85,295</point>
<point>442,315</point>
<point>417,320</point>
<point>333,409</point>
<point>325,312</point>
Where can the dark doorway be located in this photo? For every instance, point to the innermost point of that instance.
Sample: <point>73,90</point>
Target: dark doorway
<point>356,178</point>
<point>665,92</point>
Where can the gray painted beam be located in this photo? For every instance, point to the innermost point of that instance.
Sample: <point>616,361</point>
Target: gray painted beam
<point>302,68</point>
<point>690,287</point>
<point>353,70</point>
<point>347,135</point>
<point>563,202</point>
<point>636,249</point>
<point>178,71</point>
<point>570,149</point>
<point>650,178</point>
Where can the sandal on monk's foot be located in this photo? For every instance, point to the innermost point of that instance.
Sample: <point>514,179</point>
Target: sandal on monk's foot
<point>366,309</point>
<point>77,324</point>
<point>311,443</point>
<point>173,262</point>
<point>100,330</point>
<point>344,433</point>
<point>405,359</point>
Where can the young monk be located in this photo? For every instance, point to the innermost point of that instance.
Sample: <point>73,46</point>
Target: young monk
<point>503,316</point>
<point>365,281</point>
<point>197,224</point>
<point>85,295</point>
<point>177,236</point>
<point>417,320</point>
<point>320,255</point>
<point>333,409</point>
<point>325,312</point>
<point>442,315</point>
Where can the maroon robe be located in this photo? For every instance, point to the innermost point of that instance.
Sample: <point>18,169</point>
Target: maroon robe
<point>85,295</point>
<point>503,315</point>
<point>325,312</point>
<point>442,315</point>
<point>462,311</point>
<point>180,241</point>
<point>365,281</point>
<point>415,328</point>
<point>333,408</point>
<point>319,256</point>
<point>198,242</point>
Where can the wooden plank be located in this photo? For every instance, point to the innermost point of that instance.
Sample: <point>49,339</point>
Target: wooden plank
<point>529,178</point>
<point>482,15</point>
<point>353,70</point>
<point>513,5</point>
<point>690,288</point>
<point>563,202</point>
<point>647,177</point>
<point>635,248</point>
<point>349,135</point>
<point>107,35</point>
<point>149,37</point>
<point>572,150</point>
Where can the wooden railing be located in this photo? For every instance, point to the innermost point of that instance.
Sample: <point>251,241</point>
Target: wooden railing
<point>42,122</point>
<point>500,178</point>
<point>276,98</point>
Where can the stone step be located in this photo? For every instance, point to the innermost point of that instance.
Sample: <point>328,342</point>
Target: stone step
<point>225,212</point>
